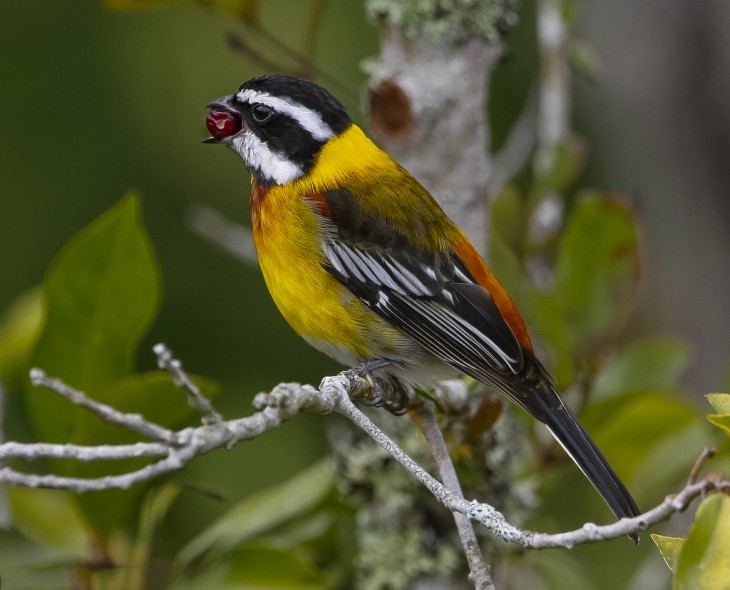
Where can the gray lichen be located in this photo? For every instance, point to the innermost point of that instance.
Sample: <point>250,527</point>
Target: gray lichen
<point>446,21</point>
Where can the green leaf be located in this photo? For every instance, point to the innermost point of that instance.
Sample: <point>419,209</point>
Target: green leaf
<point>629,432</point>
<point>719,401</point>
<point>100,295</point>
<point>507,224</point>
<point>545,313</point>
<point>703,562</point>
<point>50,518</point>
<point>507,216</point>
<point>263,512</point>
<point>19,331</point>
<point>674,450</point>
<point>721,421</point>
<point>594,283</point>
<point>154,508</point>
<point>655,363</point>
<point>669,547</point>
<point>258,567</point>
<point>597,271</point>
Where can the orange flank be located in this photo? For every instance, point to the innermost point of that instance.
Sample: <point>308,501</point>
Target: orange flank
<point>257,196</point>
<point>320,204</point>
<point>485,277</point>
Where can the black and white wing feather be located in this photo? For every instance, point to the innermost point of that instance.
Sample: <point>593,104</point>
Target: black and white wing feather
<point>432,297</point>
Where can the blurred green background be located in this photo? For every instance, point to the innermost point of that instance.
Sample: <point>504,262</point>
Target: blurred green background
<point>95,102</point>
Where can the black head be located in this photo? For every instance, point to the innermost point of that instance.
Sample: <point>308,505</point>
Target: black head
<point>277,124</point>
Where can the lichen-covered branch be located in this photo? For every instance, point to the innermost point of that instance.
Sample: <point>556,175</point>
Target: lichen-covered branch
<point>175,449</point>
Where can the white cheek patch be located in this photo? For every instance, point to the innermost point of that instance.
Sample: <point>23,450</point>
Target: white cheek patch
<point>259,157</point>
<point>307,118</point>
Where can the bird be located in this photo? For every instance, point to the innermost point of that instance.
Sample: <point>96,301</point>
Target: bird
<point>364,264</point>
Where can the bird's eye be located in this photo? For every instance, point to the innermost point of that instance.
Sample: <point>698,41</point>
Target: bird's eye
<point>261,113</point>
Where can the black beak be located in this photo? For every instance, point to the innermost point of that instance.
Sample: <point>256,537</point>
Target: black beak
<point>225,104</point>
<point>228,104</point>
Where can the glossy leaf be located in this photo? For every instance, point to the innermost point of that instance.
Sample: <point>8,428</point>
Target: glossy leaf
<point>721,421</point>
<point>719,401</point>
<point>669,547</point>
<point>704,562</point>
<point>100,297</point>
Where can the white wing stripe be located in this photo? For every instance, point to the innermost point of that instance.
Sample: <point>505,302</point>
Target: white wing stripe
<point>458,328</point>
<point>438,327</point>
<point>335,261</point>
<point>348,258</point>
<point>378,271</point>
<point>480,335</point>
<point>417,287</point>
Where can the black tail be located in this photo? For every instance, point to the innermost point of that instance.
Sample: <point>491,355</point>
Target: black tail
<point>566,429</point>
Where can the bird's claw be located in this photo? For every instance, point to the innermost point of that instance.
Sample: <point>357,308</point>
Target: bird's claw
<point>394,399</point>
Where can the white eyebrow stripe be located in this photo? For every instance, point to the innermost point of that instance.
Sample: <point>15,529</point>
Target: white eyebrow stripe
<point>307,118</point>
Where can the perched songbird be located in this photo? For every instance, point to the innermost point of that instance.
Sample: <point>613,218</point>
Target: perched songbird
<point>365,265</point>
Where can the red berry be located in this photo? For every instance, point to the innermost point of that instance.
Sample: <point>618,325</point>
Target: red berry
<point>222,123</point>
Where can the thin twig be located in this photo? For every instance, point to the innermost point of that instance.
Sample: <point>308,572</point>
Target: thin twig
<point>706,454</point>
<point>347,408</point>
<point>84,453</point>
<point>134,422</point>
<point>591,533</point>
<point>479,571</point>
<point>167,362</point>
<point>282,403</point>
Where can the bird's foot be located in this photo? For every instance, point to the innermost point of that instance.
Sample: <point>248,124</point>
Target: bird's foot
<point>388,394</point>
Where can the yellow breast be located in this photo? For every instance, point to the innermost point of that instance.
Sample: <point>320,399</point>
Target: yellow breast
<point>315,304</point>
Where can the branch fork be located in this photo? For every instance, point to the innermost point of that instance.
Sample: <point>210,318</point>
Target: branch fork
<point>175,449</point>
